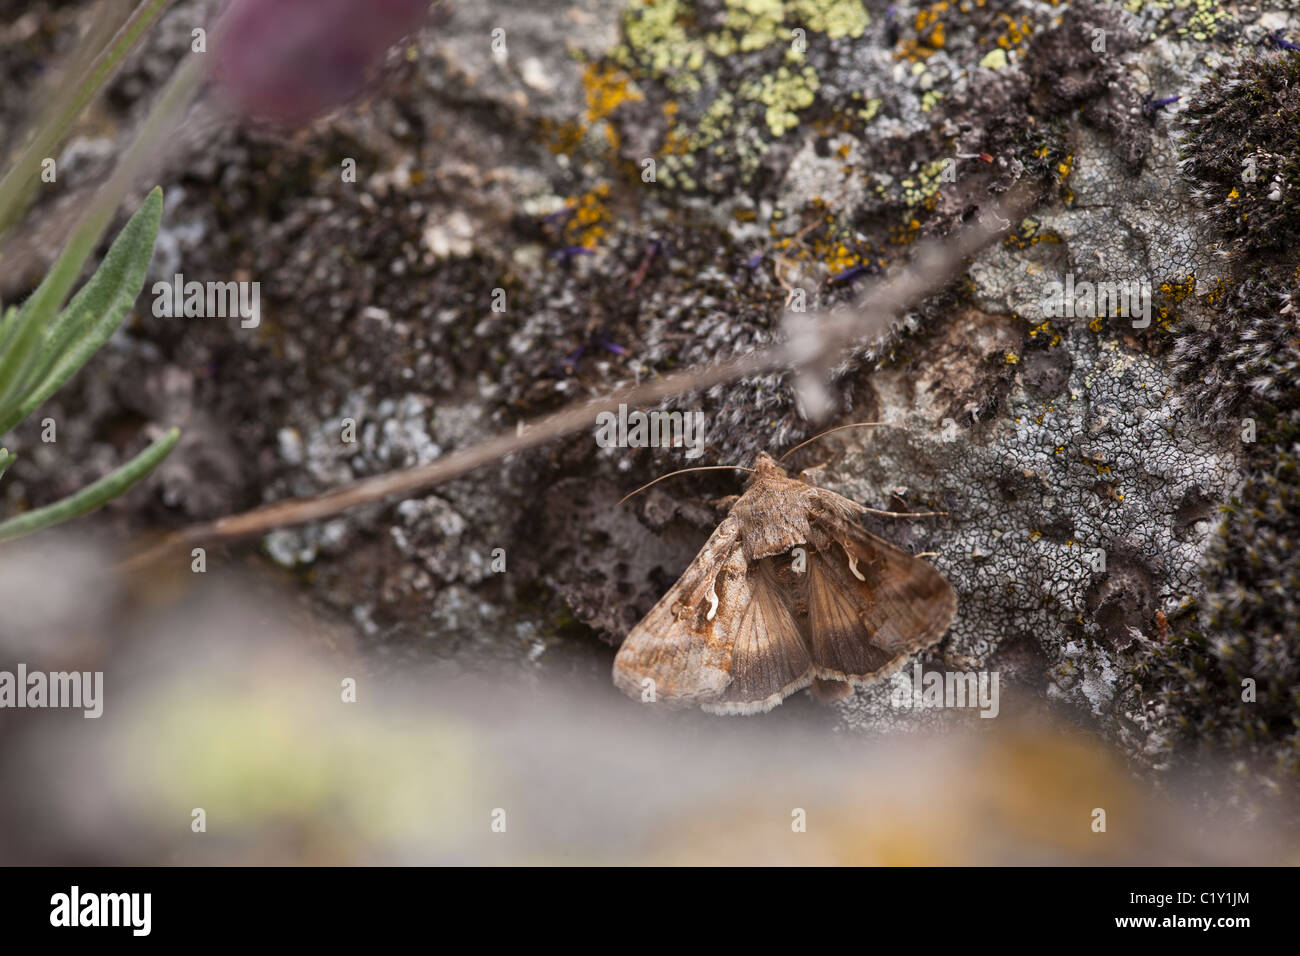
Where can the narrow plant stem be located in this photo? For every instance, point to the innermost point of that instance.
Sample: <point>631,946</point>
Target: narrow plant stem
<point>933,267</point>
<point>67,106</point>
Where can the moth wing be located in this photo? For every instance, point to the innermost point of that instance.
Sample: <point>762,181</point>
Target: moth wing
<point>682,644</point>
<point>769,659</point>
<point>870,604</point>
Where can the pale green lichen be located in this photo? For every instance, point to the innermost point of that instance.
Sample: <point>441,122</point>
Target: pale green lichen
<point>1198,19</point>
<point>664,43</point>
<point>658,41</point>
<point>713,124</point>
<point>750,25</point>
<point>925,184</point>
<point>756,24</point>
<point>835,18</point>
<point>868,112</point>
<point>995,59</point>
<point>783,93</point>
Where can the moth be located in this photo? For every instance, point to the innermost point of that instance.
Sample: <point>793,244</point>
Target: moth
<point>787,591</point>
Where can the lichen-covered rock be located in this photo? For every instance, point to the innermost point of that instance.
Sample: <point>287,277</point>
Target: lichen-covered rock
<point>616,191</point>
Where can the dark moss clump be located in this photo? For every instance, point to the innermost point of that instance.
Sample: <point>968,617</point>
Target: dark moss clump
<point>1243,152</point>
<point>1241,374</point>
<point>1071,69</point>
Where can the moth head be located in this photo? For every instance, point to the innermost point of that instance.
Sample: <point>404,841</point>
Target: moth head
<point>765,467</point>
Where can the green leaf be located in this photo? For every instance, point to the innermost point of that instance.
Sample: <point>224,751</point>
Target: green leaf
<point>90,319</point>
<point>41,306</point>
<point>8,321</point>
<point>94,495</point>
<point>7,458</point>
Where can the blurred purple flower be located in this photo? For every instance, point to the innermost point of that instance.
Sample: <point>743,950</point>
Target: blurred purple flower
<point>289,61</point>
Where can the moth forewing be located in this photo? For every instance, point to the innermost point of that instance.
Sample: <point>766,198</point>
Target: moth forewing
<point>680,645</point>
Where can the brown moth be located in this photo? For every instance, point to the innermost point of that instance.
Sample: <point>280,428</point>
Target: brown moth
<point>753,620</point>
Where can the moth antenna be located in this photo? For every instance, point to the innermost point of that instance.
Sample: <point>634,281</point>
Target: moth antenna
<point>838,428</point>
<point>682,472</point>
<point>903,514</point>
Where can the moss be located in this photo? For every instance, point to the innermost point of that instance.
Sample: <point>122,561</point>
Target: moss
<point>1243,152</point>
<point>1240,371</point>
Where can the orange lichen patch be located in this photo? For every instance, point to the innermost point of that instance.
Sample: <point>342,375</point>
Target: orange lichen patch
<point>561,138</point>
<point>606,88</point>
<point>1063,169</point>
<point>676,143</point>
<point>827,241</point>
<point>1045,329</point>
<point>590,214</point>
<point>1220,289</point>
<point>906,233</point>
<point>1172,293</point>
<point>1175,292</point>
<point>1015,33</point>
<point>930,34</point>
<point>1029,233</point>
<point>838,256</point>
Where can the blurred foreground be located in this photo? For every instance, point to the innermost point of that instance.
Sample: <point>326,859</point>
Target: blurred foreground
<point>218,699</point>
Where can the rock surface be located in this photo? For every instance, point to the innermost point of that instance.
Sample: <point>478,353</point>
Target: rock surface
<point>644,185</point>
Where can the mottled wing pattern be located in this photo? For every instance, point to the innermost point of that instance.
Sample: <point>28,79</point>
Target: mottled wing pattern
<point>678,646</point>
